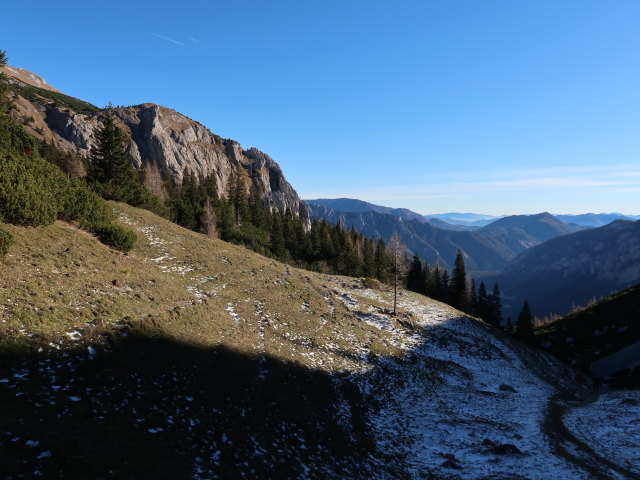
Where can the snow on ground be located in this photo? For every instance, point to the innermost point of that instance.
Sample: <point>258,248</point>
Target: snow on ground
<point>611,426</point>
<point>464,403</point>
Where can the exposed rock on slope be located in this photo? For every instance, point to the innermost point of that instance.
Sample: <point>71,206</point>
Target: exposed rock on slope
<point>161,139</point>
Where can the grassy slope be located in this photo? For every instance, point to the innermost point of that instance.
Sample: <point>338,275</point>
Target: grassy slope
<point>168,348</point>
<point>209,361</point>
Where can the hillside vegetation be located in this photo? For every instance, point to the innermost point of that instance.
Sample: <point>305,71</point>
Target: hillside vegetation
<point>591,336</point>
<point>190,357</point>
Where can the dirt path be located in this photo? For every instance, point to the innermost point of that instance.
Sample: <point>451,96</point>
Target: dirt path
<point>568,446</point>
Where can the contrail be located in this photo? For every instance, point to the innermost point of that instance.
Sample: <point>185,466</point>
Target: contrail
<point>157,35</point>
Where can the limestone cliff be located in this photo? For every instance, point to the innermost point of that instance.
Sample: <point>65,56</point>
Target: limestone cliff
<point>160,139</point>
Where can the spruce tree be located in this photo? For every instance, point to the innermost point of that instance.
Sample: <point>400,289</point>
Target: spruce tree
<point>524,327</point>
<point>381,261</point>
<point>426,279</point>
<point>459,283</point>
<point>482,303</point>
<point>495,307</point>
<point>414,277</point>
<point>472,299</point>
<point>109,168</point>
<point>368,259</point>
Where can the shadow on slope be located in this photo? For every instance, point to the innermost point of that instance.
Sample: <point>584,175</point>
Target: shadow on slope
<point>156,408</point>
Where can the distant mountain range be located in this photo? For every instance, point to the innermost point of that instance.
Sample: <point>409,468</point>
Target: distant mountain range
<point>572,269</point>
<point>487,250</point>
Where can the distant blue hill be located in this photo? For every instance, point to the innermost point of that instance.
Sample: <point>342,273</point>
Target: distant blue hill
<point>595,219</point>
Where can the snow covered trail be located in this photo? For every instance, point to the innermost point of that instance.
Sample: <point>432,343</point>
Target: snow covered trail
<point>599,433</point>
<point>464,403</point>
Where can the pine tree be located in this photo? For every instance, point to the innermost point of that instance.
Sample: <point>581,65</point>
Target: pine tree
<point>368,259</point>
<point>256,207</point>
<point>472,299</point>
<point>381,261</point>
<point>426,278</point>
<point>482,303</point>
<point>415,277</point>
<point>459,283</point>
<point>524,327</point>
<point>495,307</point>
<point>238,197</point>
<point>434,288</point>
<point>109,167</point>
<point>445,287</point>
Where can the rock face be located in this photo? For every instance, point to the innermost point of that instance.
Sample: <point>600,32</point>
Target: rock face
<point>160,139</point>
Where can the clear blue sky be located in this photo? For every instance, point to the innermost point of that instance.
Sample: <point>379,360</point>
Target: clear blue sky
<point>488,106</point>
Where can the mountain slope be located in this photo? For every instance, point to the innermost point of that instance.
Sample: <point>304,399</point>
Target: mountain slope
<point>486,250</point>
<point>160,140</point>
<point>474,220</point>
<point>526,231</point>
<point>431,243</point>
<point>604,336</point>
<point>350,205</point>
<point>573,269</point>
<point>190,357</point>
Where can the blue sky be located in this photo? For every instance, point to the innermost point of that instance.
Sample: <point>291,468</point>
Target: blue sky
<point>490,106</point>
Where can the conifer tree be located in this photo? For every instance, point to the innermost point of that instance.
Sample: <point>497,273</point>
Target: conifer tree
<point>435,289</point>
<point>426,278</point>
<point>482,303</point>
<point>109,166</point>
<point>495,307</point>
<point>524,327</point>
<point>459,283</point>
<point>472,299</point>
<point>256,207</point>
<point>368,259</point>
<point>445,286</point>
<point>415,276</point>
<point>381,261</point>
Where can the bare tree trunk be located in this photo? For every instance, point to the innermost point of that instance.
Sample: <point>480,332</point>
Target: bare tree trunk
<point>395,292</point>
<point>209,221</point>
<point>397,255</point>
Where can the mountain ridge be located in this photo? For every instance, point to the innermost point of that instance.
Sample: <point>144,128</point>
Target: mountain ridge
<point>160,140</point>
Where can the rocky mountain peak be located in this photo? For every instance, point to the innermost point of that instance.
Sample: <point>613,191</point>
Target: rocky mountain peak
<point>160,140</point>
<point>27,77</point>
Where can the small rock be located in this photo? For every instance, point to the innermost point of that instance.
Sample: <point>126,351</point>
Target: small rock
<point>507,388</point>
<point>506,449</point>
<point>451,464</point>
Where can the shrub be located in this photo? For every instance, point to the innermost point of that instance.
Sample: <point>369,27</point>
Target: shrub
<point>115,236</point>
<point>28,193</point>
<point>6,240</point>
<point>372,283</point>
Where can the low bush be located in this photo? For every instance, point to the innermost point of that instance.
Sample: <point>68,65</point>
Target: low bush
<point>115,236</point>
<point>6,240</point>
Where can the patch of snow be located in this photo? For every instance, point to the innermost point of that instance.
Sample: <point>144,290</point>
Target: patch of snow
<point>610,426</point>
